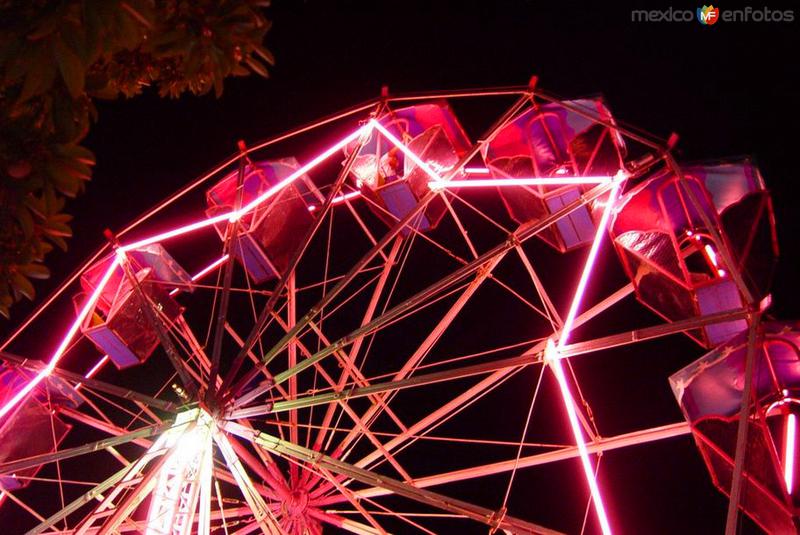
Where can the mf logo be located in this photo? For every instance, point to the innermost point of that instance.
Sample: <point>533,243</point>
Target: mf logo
<point>708,15</point>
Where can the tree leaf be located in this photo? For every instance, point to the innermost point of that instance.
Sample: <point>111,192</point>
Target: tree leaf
<point>34,271</point>
<point>264,53</point>
<point>257,67</point>
<point>63,178</point>
<point>22,286</point>
<point>78,153</point>
<point>25,220</point>
<point>73,72</point>
<point>39,76</point>
<point>60,242</point>
<point>56,228</point>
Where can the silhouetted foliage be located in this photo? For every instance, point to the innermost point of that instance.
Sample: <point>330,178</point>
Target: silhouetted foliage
<point>56,57</point>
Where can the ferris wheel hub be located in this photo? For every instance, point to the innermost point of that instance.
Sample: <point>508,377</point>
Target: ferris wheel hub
<point>297,502</point>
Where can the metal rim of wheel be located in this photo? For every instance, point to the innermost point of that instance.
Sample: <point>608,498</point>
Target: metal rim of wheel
<point>284,410</point>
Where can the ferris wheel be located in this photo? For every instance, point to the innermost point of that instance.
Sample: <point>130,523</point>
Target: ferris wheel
<point>368,324</point>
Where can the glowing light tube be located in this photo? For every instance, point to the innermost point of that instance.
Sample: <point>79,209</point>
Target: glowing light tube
<point>94,369</point>
<point>553,358</point>
<point>405,150</point>
<point>59,352</point>
<point>476,170</point>
<point>338,199</point>
<point>588,470</point>
<point>237,214</point>
<point>506,182</point>
<point>209,268</point>
<point>304,169</point>
<point>587,268</point>
<point>789,452</point>
<point>177,231</point>
<point>364,130</point>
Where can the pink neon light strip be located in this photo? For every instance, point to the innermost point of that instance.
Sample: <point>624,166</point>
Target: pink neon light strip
<point>251,205</point>
<point>554,360</point>
<point>162,237</point>
<point>489,182</point>
<point>569,404</point>
<point>177,232</point>
<point>205,271</point>
<point>789,452</point>
<point>87,307</point>
<point>303,170</point>
<point>405,150</point>
<point>211,267</point>
<point>338,199</point>
<point>476,170</point>
<point>96,368</point>
<point>712,255</point>
<point>587,269</point>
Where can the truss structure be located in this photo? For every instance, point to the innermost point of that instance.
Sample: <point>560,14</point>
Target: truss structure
<point>313,401</point>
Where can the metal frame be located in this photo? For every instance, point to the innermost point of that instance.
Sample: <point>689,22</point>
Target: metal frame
<point>319,478</point>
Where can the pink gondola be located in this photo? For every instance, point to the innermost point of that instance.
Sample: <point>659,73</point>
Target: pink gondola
<point>669,256</point>
<point>119,325</point>
<point>32,428</point>
<point>709,392</point>
<point>391,180</point>
<point>551,141</point>
<point>271,233</point>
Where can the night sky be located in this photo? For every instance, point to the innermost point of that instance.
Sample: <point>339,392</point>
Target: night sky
<point>726,90</point>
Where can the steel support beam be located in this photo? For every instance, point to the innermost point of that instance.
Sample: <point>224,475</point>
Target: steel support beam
<point>650,333</point>
<point>100,386</point>
<point>561,454</point>
<point>382,243</point>
<point>491,518</point>
<point>744,420</point>
<point>46,458</point>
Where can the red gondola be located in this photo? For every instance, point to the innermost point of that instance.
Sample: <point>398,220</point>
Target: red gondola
<point>710,394</point>
<point>554,140</point>
<point>668,253</point>
<point>391,180</point>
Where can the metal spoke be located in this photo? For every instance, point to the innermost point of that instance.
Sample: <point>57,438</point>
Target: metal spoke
<point>283,280</point>
<point>557,455</point>
<point>384,241</point>
<point>231,234</point>
<point>45,458</point>
<point>480,514</point>
<point>100,386</point>
<point>741,431</point>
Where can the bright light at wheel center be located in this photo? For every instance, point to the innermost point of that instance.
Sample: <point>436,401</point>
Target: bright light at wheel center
<point>189,447</point>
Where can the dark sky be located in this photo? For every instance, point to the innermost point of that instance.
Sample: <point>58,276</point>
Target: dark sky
<point>729,89</point>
